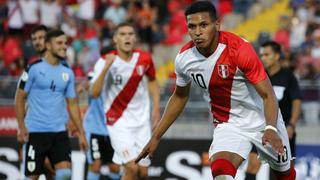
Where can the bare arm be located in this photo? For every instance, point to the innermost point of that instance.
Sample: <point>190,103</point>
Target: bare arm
<point>295,112</point>
<point>76,119</point>
<point>173,109</point>
<point>265,90</point>
<point>96,87</point>
<point>154,90</point>
<point>20,107</point>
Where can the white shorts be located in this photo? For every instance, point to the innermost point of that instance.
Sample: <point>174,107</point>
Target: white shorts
<point>227,137</point>
<point>129,142</point>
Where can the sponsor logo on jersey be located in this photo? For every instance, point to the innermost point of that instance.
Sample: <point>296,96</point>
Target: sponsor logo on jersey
<point>223,70</point>
<point>65,76</point>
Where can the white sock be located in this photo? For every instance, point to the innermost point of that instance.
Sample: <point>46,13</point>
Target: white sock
<point>224,177</point>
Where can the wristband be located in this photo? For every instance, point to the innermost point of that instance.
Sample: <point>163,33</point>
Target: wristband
<point>272,128</point>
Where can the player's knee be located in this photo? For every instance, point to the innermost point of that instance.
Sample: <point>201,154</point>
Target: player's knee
<point>291,175</point>
<point>222,167</point>
<point>95,166</point>
<point>63,174</point>
<point>253,166</point>
<point>131,168</point>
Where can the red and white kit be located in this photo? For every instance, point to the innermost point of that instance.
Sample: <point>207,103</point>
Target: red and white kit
<point>227,78</point>
<point>127,103</point>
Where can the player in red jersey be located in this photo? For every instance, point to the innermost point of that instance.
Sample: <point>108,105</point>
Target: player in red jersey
<point>243,103</point>
<point>126,99</point>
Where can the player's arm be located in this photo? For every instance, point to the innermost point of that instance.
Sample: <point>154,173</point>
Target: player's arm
<point>76,119</point>
<point>295,111</point>
<point>174,107</point>
<point>154,90</point>
<point>265,90</point>
<point>100,74</point>
<point>20,107</point>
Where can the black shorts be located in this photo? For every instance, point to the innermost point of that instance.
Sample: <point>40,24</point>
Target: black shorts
<point>99,148</point>
<point>55,146</point>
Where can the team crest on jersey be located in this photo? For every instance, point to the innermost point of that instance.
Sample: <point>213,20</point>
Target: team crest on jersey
<point>140,69</point>
<point>65,76</point>
<point>223,70</point>
<point>24,76</point>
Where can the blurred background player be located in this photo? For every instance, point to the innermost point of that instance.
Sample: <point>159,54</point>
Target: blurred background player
<point>287,90</point>
<point>100,150</point>
<point>47,85</point>
<point>127,104</point>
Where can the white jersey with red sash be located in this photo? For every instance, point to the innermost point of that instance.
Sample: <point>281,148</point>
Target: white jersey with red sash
<point>226,77</point>
<point>125,94</point>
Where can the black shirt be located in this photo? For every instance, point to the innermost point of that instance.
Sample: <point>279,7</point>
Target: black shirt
<point>287,89</point>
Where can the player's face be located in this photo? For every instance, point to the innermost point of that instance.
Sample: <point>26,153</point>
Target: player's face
<point>125,39</point>
<point>58,47</point>
<point>268,57</point>
<point>202,29</point>
<point>38,41</point>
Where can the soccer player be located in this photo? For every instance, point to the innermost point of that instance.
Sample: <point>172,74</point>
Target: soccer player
<point>243,103</point>
<point>38,35</point>
<point>45,87</point>
<point>287,90</point>
<point>100,150</point>
<point>127,104</point>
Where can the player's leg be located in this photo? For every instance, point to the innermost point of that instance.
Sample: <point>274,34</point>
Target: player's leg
<point>143,173</point>
<point>130,171</point>
<point>143,136</point>
<point>228,150</point>
<point>33,155</point>
<point>114,169</point>
<point>125,150</point>
<point>60,155</point>
<point>114,173</point>
<point>253,165</point>
<point>94,156</point>
<point>48,169</point>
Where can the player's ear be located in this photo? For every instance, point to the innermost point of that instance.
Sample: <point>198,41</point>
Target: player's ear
<point>217,24</point>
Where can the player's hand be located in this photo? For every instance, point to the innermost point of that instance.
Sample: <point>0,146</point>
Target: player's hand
<point>83,142</point>
<point>23,135</point>
<point>148,150</point>
<point>270,136</point>
<point>290,131</point>
<point>109,58</point>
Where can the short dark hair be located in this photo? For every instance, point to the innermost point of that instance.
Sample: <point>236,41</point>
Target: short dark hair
<point>106,50</point>
<point>276,47</point>
<point>53,34</point>
<point>202,6</point>
<point>39,28</point>
<point>123,25</point>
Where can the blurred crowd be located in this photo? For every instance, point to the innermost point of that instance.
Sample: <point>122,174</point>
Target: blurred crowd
<point>90,25</point>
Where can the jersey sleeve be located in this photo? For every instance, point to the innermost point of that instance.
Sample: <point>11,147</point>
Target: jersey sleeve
<point>181,78</point>
<point>70,90</point>
<point>27,78</point>
<point>151,72</point>
<point>294,88</point>
<point>98,67</point>
<point>249,63</point>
